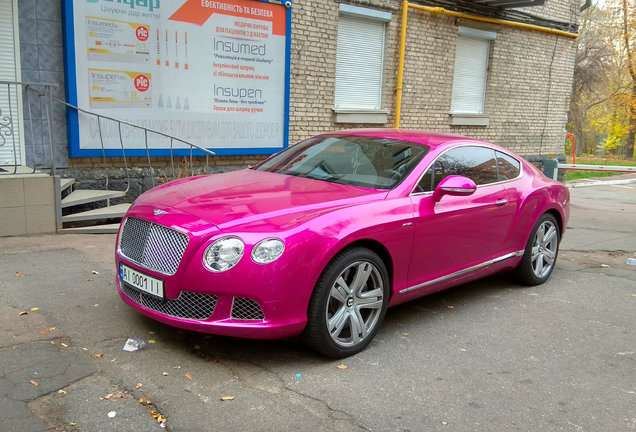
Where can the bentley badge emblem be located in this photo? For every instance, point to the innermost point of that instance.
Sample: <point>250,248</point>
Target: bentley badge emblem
<point>158,212</point>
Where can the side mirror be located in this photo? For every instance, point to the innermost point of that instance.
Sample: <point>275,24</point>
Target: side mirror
<point>454,185</point>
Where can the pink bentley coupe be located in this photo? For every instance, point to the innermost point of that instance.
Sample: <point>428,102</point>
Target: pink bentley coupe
<point>321,238</point>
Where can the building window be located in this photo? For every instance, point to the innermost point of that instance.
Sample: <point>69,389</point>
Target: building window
<point>360,58</point>
<point>471,71</point>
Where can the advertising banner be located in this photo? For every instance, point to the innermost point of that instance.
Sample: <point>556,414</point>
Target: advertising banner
<point>213,73</point>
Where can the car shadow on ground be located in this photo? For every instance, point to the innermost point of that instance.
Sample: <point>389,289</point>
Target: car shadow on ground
<point>417,313</point>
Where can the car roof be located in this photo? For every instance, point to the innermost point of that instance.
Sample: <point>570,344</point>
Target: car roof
<point>431,139</point>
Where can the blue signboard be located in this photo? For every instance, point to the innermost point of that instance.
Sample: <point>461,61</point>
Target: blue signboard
<point>211,73</point>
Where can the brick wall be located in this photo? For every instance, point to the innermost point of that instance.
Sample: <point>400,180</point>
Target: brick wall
<point>528,88</point>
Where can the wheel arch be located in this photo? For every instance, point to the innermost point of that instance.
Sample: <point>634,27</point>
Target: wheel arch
<point>371,244</point>
<point>558,216</point>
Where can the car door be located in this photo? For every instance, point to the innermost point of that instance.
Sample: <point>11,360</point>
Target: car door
<point>458,234</point>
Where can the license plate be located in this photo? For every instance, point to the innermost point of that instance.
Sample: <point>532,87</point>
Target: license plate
<point>141,281</point>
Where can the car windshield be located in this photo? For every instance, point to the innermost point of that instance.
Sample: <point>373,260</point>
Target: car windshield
<point>351,160</point>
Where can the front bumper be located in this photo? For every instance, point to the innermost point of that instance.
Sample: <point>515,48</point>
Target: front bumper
<point>228,315</point>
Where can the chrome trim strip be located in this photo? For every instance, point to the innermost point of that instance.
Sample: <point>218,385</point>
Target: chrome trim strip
<point>464,271</point>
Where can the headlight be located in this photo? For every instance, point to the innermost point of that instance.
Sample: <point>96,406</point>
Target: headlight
<point>223,254</point>
<point>267,251</point>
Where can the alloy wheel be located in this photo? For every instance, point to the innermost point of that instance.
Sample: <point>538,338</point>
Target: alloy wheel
<point>355,304</point>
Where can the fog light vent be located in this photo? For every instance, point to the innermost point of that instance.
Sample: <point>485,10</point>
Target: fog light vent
<point>246,310</point>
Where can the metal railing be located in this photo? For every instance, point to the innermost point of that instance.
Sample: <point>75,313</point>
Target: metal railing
<point>12,96</point>
<point>146,131</point>
<point>12,117</point>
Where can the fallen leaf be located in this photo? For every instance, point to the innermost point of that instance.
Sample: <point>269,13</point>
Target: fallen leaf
<point>34,383</point>
<point>151,332</point>
<point>64,345</point>
<point>342,367</point>
<point>114,360</point>
<point>89,280</point>
<point>98,356</point>
<point>227,398</point>
<point>35,309</point>
<point>72,424</point>
<point>450,307</point>
<point>18,274</point>
<point>188,376</point>
<point>95,272</point>
<point>50,329</point>
<point>145,401</point>
<point>176,367</point>
<point>22,313</point>
<point>108,396</point>
<point>165,374</point>
<point>462,349</point>
<point>152,341</point>
<point>138,386</point>
<point>196,347</point>
<point>405,334</point>
<point>60,391</point>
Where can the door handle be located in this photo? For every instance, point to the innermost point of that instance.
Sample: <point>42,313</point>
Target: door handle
<point>501,202</point>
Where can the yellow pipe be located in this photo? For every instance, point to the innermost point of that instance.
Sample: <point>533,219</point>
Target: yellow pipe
<point>439,10</point>
<point>400,78</point>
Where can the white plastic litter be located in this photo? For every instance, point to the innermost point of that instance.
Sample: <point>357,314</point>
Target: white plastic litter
<point>134,343</point>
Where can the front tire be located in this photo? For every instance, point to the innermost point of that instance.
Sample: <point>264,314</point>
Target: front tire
<point>348,304</point>
<point>541,252</point>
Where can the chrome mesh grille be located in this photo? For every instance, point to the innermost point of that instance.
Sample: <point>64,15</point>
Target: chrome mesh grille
<point>246,309</point>
<point>188,305</point>
<point>152,246</point>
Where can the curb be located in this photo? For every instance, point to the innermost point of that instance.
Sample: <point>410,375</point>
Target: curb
<point>601,183</point>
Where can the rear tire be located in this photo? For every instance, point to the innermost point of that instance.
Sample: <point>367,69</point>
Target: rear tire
<point>348,304</point>
<point>540,255</point>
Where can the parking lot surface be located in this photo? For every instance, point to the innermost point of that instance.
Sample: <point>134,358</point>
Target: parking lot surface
<point>488,355</point>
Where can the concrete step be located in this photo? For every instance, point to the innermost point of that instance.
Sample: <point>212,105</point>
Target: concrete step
<point>83,196</point>
<point>96,229</point>
<point>66,183</point>
<point>115,211</point>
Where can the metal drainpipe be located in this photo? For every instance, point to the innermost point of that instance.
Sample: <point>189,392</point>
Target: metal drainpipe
<point>440,10</point>
<point>585,5</point>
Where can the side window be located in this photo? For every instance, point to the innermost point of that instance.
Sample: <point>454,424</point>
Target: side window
<point>477,163</point>
<point>508,167</point>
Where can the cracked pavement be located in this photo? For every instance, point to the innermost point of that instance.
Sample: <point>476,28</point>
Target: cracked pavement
<point>484,356</point>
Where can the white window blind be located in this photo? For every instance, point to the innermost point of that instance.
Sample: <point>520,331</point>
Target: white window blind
<point>359,62</point>
<point>9,71</point>
<point>471,69</point>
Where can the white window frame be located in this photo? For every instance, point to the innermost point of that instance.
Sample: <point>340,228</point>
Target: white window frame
<point>471,110</point>
<point>348,83</point>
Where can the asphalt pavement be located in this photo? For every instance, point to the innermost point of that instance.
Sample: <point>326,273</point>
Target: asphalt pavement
<point>485,356</point>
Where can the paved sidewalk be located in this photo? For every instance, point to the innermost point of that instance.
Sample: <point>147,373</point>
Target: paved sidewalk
<point>481,357</point>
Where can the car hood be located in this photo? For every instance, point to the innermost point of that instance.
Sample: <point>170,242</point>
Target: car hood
<point>244,196</point>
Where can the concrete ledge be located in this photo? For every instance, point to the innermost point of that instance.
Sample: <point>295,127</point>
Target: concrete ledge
<point>469,120</point>
<point>360,116</point>
<point>27,204</point>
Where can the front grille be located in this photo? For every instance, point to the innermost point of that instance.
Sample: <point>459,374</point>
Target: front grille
<point>188,305</point>
<point>152,246</point>
<point>247,310</point>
